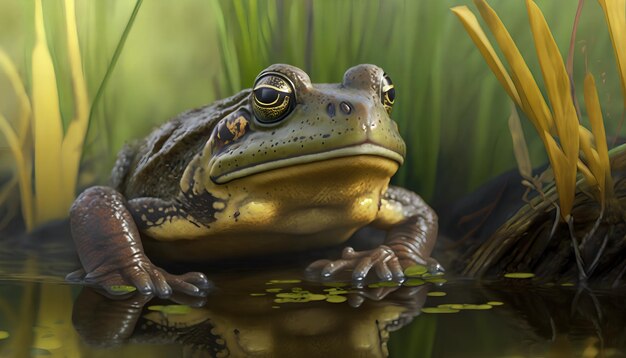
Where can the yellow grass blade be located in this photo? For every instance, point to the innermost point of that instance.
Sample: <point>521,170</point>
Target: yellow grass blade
<point>559,92</point>
<point>561,166</point>
<point>594,111</point>
<point>520,149</point>
<point>48,131</point>
<point>532,100</point>
<point>593,162</point>
<point>614,11</point>
<point>472,27</point>
<point>591,180</point>
<point>23,171</point>
<point>18,86</point>
<point>73,141</point>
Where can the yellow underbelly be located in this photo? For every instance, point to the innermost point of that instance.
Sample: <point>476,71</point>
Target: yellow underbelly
<point>284,210</point>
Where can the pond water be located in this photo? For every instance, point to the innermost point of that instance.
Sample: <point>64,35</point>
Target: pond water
<point>275,311</point>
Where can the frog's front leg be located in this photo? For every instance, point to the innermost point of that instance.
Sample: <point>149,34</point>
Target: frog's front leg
<point>110,250</point>
<point>411,234</point>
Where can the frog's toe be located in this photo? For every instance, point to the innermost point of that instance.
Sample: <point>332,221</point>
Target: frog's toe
<point>382,259</point>
<point>76,276</point>
<point>192,283</point>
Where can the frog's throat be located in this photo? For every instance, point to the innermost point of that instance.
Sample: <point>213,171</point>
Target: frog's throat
<point>360,149</point>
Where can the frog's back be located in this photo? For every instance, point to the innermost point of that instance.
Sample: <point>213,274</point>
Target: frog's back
<point>153,166</point>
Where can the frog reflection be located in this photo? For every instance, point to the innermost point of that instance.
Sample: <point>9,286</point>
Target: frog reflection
<point>283,167</point>
<point>244,325</point>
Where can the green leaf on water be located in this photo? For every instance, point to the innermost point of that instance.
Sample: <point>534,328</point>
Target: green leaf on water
<point>257,294</point>
<point>122,288</point>
<point>465,306</point>
<point>273,290</point>
<point>436,294</point>
<point>336,299</point>
<point>413,282</point>
<point>519,275</point>
<point>439,310</point>
<point>415,270</point>
<point>4,335</point>
<point>495,303</point>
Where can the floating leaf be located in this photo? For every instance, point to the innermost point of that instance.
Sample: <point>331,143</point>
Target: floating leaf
<point>436,294</point>
<point>4,335</point>
<point>438,310</point>
<point>336,299</point>
<point>519,275</point>
<point>415,270</point>
<point>495,303</point>
<point>122,288</point>
<point>413,282</point>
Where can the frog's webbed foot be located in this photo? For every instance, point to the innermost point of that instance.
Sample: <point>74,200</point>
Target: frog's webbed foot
<point>147,278</point>
<point>110,250</point>
<point>382,259</point>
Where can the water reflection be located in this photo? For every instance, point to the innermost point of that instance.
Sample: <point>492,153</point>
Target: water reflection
<point>275,311</point>
<point>244,319</point>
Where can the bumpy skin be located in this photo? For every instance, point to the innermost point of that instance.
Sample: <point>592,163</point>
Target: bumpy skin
<point>237,179</point>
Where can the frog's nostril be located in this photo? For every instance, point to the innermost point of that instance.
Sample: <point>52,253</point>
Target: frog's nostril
<point>331,110</point>
<point>345,107</point>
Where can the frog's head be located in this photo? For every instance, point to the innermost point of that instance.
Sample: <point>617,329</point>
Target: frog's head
<point>288,121</point>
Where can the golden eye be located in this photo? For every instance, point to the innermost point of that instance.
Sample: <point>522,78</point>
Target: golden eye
<point>273,97</point>
<point>387,93</point>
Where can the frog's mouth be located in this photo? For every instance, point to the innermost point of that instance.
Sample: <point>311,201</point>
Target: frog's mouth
<point>366,148</point>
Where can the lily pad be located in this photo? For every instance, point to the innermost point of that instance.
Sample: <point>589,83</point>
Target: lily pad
<point>439,310</point>
<point>414,282</point>
<point>465,306</point>
<point>4,335</point>
<point>122,288</point>
<point>495,303</point>
<point>519,275</point>
<point>336,299</point>
<point>436,294</point>
<point>273,290</point>
<point>415,270</point>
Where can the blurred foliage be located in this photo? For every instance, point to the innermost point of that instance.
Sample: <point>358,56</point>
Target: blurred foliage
<point>183,55</point>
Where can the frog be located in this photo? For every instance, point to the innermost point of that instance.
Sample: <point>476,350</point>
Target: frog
<point>283,167</point>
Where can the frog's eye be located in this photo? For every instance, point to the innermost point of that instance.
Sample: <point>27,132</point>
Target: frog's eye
<point>273,97</point>
<point>387,93</point>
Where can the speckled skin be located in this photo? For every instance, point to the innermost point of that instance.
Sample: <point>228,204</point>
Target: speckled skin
<point>237,179</point>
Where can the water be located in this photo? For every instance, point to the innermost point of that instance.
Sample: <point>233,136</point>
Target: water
<point>276,312</point>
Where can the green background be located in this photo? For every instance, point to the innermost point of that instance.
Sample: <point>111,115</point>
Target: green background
<point>179,55</point>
